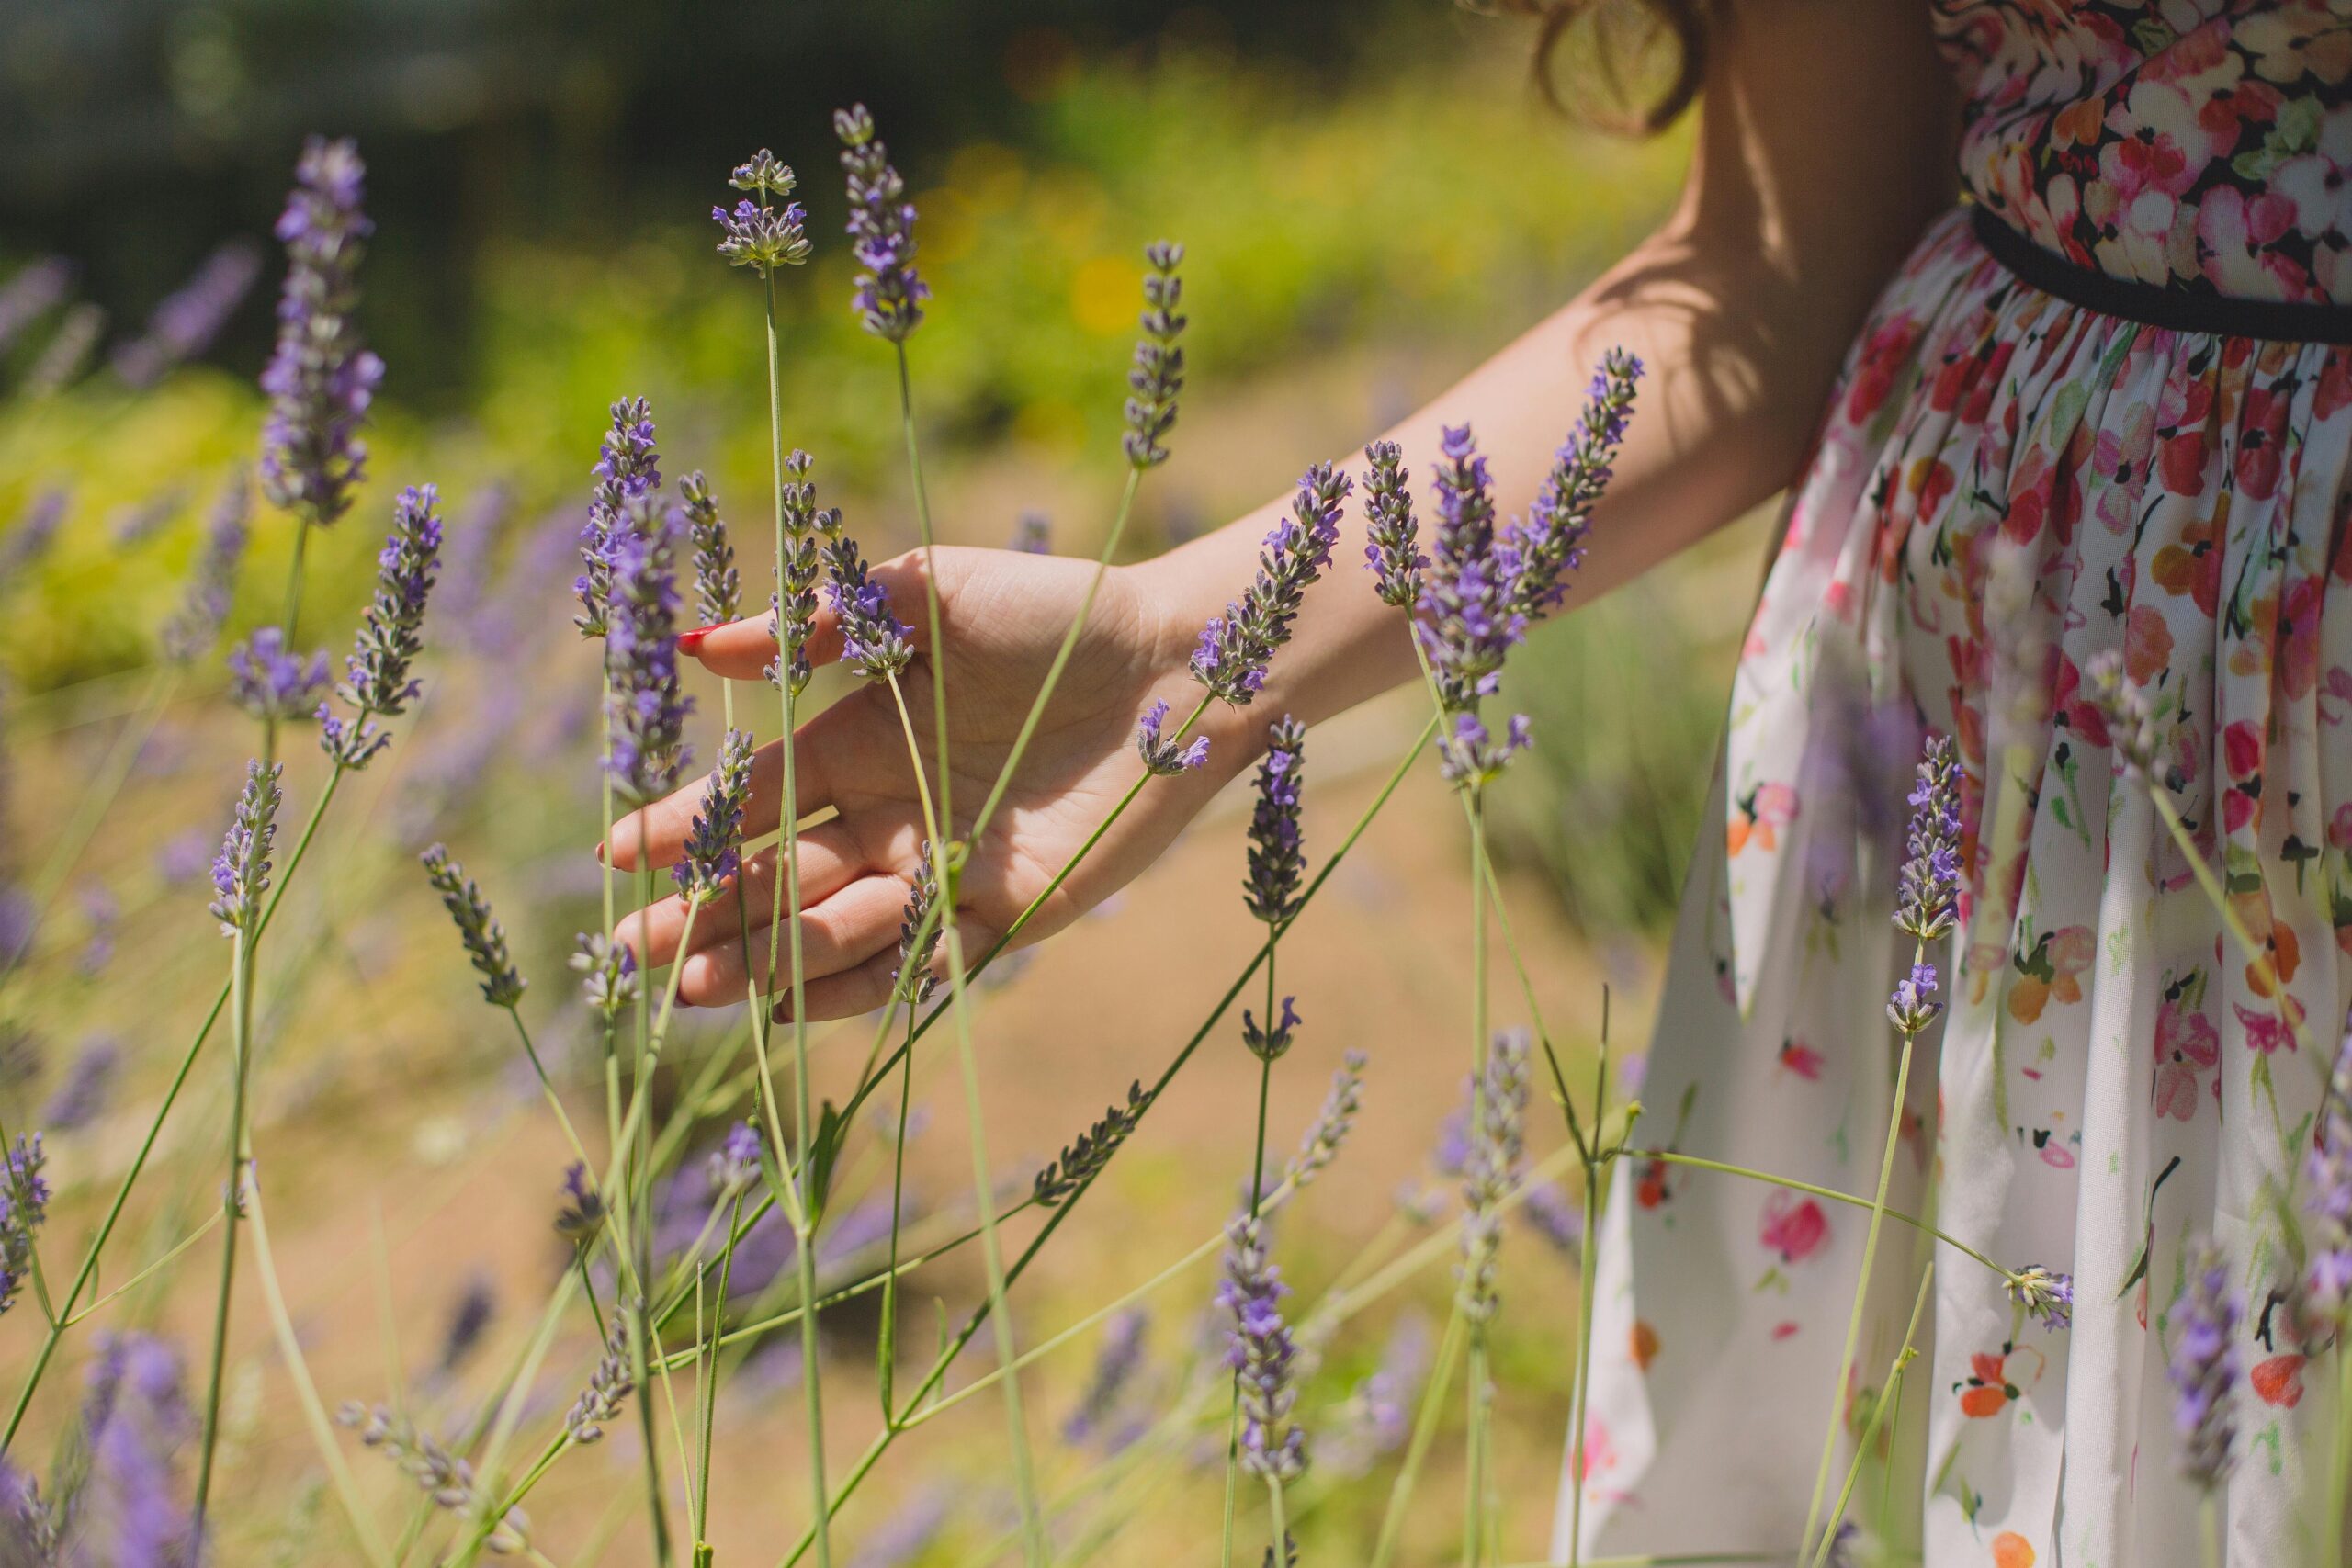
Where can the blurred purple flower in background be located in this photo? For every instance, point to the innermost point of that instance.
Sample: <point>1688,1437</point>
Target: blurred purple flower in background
<point>30,293</point>
<point>320,379</point>
<point>191,316</point>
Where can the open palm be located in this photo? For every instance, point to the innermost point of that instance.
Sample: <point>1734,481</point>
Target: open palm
<point>1002,616</point>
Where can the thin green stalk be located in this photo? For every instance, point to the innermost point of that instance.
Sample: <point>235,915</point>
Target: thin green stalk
<point>1282,1524</point>
<point>882,1442</point>
<point>1401,1492</point>
<point>1476,1413</point>
<point>931,601</point>
<point>886,1353</point>
<point>643,1189</point>
<point>1257,1186</point>
<point>1592,1157</point>
<point>241,1026</point>
<point>1862,1283</point>
<point>2340,1477</point>
<point>709,1391</point>
<point>1694,1162</point>
<point>151,1270</point>
<point>1903,1359</point>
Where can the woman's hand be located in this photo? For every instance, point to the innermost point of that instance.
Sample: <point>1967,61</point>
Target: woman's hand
<point>1003,614</point>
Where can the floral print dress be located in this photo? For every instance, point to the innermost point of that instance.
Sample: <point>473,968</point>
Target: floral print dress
<point>2006,487</point>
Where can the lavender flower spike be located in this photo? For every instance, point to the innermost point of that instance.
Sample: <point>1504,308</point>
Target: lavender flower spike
<point>734,1165</point>
<point>1166,758</point>
<point>1394,552</point>
<point>914,981</point>
<point>1236,647</point>
<point>875,642</point>
<point>390,636</point>
<point>610,1384</point>
<point>1082,1159</point>
<point>241,872</point>
<point>756,234</point>
<point>212,581</point>
<point>191,316</point>
<point>1928,893</point>
<point>24,1204</point>
<point>608,971</point>
<point>1329,1131</point>
<point>2048,1296</point>
<point>1913,1006</point>
<point>484,938</point>
<point>1159,374</point>
<point>1496,1146</point>
<point>1262,1352</point>
<point>881,230</point>
<point>647,749</point>
<point>1277,853</point>
<point>320,379</point>
<point>715,842</point>
<point>1469,754</point>
<point>2327,1282</point>
<point>1272,1043</point>
<point>1465,620</point>
<point>584,1213</point>
<point>446,1479</point>
<point>792,621</point>
<point>1550,543</point>
<point>272,683</point>
<point>2205,1369</point>
<point>1032,535</point>
<point>2134,730</point>
<point>627,467</point>
<point>134,1419</point>
<point>719,591</point>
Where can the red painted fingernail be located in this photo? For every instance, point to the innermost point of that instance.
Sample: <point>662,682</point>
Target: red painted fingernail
<point>688,642</point>
<point>600,851</point>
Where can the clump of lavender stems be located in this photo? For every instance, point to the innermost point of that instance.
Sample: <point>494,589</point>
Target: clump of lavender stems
<point>320,379</point>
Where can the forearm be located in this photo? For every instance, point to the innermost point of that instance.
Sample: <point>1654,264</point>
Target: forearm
<point>1741,306</point>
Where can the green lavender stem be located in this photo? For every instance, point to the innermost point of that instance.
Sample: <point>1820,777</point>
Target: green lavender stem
<point>1862,1283</point>
<point>1903,1359</point>
<point>656,1502</point>
<point>241,1047</point>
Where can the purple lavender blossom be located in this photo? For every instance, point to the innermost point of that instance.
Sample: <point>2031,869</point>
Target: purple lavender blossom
<point>718,590</point>
<point>1470,754</point>
<point>1115,1365</point>
<point>184,857</point>
<point>875,642</point>
<point>2205,1369</point>
<point>24,1204</point>
<point>714,843</point>
<point>320,379</point>
<point>581,1215</point>
<point>1277,851</point>
<point>1394,550</point>
<point>1260,1352</point>
<point>913,980</point>
<point>1032,535</point>
<point>629,468</point>
<point>212,580</point>
<point>1236,647</point>
<point>1328,1132</point>
<point>191,316</point>
<point>608,1385</point>
<point>82,1094</point>
<point>484,938</point>
<point>271,682</point>
<point>1272,1042</point>
<point>1497,1145</point>
<point>762,237</point>
<point>881,230</point>
<point>2047,1295</point>
<point>241,871</point>
<point>143,520</point>
<point>66,354</point>
<point>1465,621</point>
<point>1553,1215</point>
<point>734,1165</point>
<point>1373,1420</point>
<point>2327,1172</point>
<point>647,749</point>
<point>608,974</point>
<point>135,1418</point>
<point>1158,378</point>
<point>30,293</point>
<point>30,1527</point>
<point>1164,758</point>
<point>466,558</point>
<point>22,547</point>
<point>1929,890</point>
<point>390,635</point>
<point>1913,1006</point>
<point>469,1317</point>
<point>793,620</point>
<point>1550,543</point>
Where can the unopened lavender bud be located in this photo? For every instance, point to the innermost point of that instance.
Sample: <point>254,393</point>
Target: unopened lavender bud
<point>241,871</point>
<point>1498,1144</point>
<point>1277,850</point>
<point>1328,1132</point>
<point>1913,1006</point>
<point>1550,543</point>
<point>913,980</point>
<point>2047,1295</point>
<point>484,938</point>
<point>794,621</point>
<point>1159,374</point>
<point>582,1213</point>
<point>763,174</point>
<point>1928,898</point>
<point>719,591</point>
<point>1166,757</point>
<point>1272,1042</point>
<point>391,634</point>
<point>1394,550</point>
<point>1261,1353</point>
<point>1084,1159</point>
<point>2133,729</point>
<point>608,1386</point>
<point>761,237</point>
<point>734,1165</point>
<point>715,842</point>
<point>608,971</point>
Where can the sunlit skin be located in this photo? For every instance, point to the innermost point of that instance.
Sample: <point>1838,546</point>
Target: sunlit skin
<point>1824,149</point>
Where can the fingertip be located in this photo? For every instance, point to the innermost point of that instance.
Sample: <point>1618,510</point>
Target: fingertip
<point>689,642</point>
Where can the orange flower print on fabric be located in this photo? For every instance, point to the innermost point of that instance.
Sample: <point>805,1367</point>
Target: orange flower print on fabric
<point>2052,970</point>
<point>1762,812</point>
<point>2011,1550</point>
<point>1995,1381</point>
<point>2192,566</point>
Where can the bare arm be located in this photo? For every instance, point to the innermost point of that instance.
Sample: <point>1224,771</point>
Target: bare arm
<point>1824,149</point>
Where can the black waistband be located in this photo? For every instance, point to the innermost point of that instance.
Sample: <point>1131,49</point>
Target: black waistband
<point>2177,308</point>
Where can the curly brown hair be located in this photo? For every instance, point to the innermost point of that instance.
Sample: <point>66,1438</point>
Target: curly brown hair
<point>1633,65</point>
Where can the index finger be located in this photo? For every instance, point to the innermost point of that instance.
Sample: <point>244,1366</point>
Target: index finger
<point>742,650</point>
